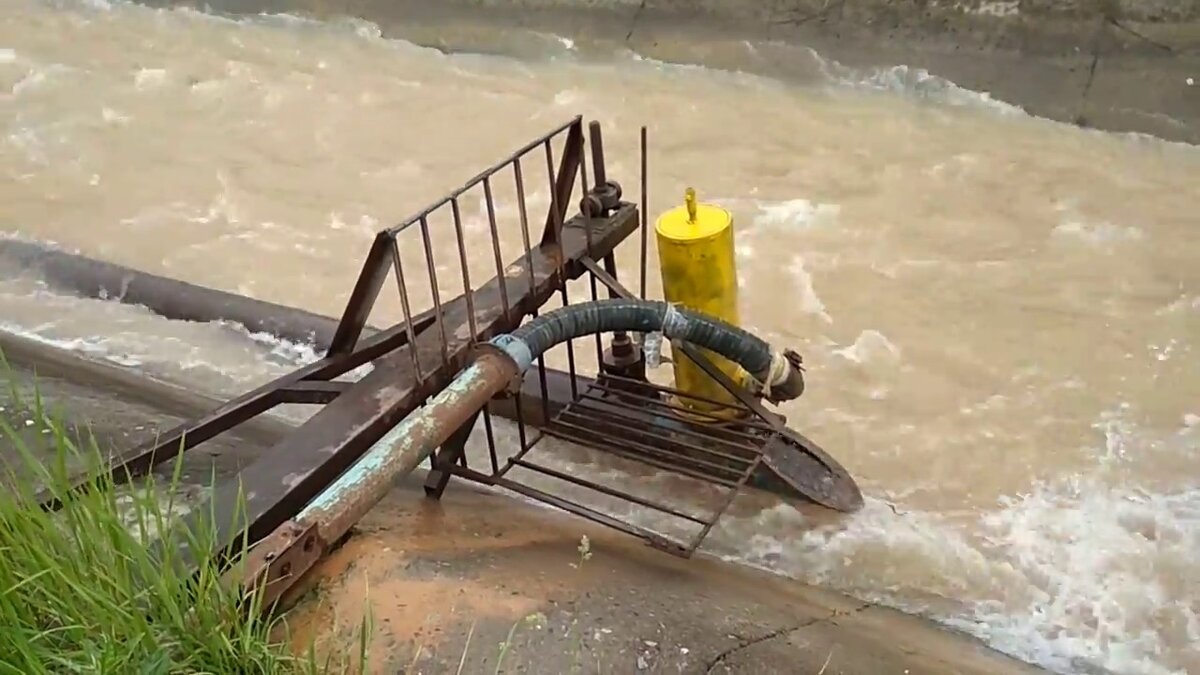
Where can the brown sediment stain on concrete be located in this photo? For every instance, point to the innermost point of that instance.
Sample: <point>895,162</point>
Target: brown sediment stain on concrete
<point>445,583</point>
<point>419,574</point>
<point>425,525</point>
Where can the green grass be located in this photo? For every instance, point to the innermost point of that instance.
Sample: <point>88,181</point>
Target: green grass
<point>80,591</point>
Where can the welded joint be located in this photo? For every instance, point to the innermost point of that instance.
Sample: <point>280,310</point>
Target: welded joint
<point>277,562</point>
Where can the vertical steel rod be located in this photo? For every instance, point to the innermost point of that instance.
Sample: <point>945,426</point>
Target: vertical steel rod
<point>433,286</point>
<point>523,212</point>
<point>520,180</point>
<point>562,274</point>
<point>491,214</point>
<point>408,324</point>
<point>587,225</point>
<point>466,274</point>
<point>645,214</point>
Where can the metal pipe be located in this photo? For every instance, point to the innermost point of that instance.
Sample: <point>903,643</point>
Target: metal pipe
<point>171,298</point>
<point>406,445</point>
<point>293,548</point>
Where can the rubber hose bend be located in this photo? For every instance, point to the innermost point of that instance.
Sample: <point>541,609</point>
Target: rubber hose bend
<point>784,380</point>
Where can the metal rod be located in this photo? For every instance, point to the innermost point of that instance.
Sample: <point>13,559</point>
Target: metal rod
<point>468,292</point>
<point>556,214</point>
<point>495,168</point>
<point>583,185</point>
<point>434,290</point>
<point>408,324</point>
<point>563,182</point>
<point>720,510</point>
<point>634,457</point>
<point>589,513</point>
<point>645,215</point>
<point>609,279</point>
<point>491,215</point>
<point>488,433</point>
<point>513,459</point>
<point>635,440</point>
<point>362,298</point>
<point>716,422</point>
<point>749,452</point>
<point>598,169</point>
<point>524,214</point>
<point>623,398</point>
<point>604,489</point>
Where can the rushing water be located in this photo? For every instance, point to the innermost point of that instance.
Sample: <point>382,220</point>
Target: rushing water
<point>999,314</point>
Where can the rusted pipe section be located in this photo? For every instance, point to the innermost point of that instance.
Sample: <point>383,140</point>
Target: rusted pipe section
<point>287,553</point>
<point>409,443</point>
<point>171,298</point>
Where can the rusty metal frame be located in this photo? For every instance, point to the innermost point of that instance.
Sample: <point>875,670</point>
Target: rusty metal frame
<point>763,451</point>
<point>418,356</point>
<point>429,353</point>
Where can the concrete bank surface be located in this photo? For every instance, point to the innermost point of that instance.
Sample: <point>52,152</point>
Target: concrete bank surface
<point>456,585</point>
<point>481,583</point>
<point>1120,65</point>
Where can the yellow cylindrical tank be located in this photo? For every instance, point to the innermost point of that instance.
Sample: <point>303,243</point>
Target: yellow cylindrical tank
<point>699,271</point>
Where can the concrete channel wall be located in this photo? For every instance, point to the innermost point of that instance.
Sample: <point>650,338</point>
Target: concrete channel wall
<point>1119,65</point>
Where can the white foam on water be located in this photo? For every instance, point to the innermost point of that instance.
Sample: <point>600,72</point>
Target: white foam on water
<point>222,357</point>
<point>7,55</point>
<point>1069,576</point>
<point>93,347</point>
<point>1097,234</point>
<point>916,83</point>
<point>797,213</point>
<point>871,348</point>
<point>147,78</point>
<point>809,302</point>
<point>1181,304</point>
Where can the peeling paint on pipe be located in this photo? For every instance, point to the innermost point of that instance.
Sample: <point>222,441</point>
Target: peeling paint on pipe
<point>406,445</point>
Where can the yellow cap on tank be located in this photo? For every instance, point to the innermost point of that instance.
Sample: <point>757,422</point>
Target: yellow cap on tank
<point>693,221</point>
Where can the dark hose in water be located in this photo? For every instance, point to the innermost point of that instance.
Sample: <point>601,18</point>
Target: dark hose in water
<point>779,377</point>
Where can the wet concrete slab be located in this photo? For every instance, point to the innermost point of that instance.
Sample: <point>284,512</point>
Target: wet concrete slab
<point>484,582</point>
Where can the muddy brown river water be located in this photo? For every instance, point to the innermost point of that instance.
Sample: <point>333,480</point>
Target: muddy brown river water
<point>1000,314</point>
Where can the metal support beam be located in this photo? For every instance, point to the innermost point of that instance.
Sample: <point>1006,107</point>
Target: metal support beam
<point>447,457</point>
<point>293,472</point>
<point>140,460</point>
